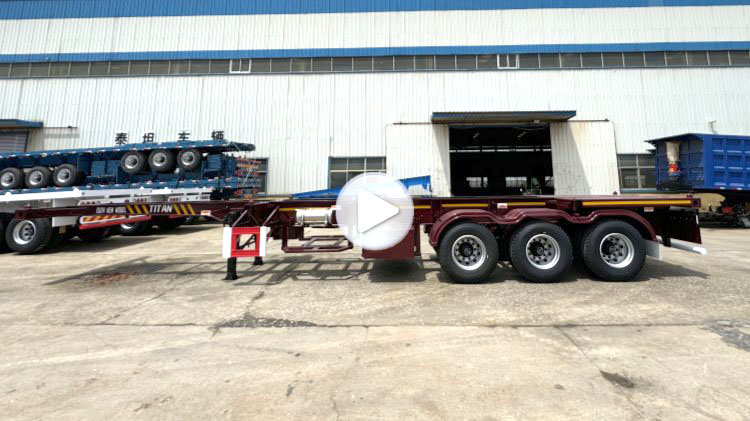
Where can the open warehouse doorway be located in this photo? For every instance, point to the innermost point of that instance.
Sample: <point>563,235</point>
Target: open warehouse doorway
<point>501,160</point>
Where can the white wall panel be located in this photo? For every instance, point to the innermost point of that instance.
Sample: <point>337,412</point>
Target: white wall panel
<point>361,30</point>
<point>299,121</point>
<point>414,150</point>
<point>584,157</point>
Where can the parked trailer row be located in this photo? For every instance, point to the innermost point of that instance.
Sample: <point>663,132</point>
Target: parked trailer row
<point>539,235</point>
<point>116,176</point>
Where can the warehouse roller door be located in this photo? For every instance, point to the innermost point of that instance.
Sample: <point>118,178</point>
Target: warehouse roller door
<point>13,141</point>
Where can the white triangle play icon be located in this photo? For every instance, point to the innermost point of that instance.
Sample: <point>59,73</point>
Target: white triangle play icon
<point>372,211</point>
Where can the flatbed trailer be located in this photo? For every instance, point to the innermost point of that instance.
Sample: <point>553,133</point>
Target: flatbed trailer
<point>539,235</point>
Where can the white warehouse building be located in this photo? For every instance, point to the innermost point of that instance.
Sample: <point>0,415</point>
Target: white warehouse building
<point>485,96</point>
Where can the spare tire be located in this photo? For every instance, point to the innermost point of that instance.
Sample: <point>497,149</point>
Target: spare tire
<point>27,236</point>
<point>162,160</point>
<point>189,159</point>
<point>66,175</point>
<point>11,178</point>
<point>38,177</point>
<point>133,162</point>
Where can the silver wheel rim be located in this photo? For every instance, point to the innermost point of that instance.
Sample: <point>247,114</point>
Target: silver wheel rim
<point>36,177</point>
<point>8,179</point>
<point>187,158</point>
<point>160,158</point>
<point>617,250</point>
<point>63,175</point>
<point>469,252</point>
<point>543,251</point>
<point>132,161</point>
<point>128,226</point>
<point>24,232</point>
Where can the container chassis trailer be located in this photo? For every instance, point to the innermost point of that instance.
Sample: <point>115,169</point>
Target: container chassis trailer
<point>539,235</point>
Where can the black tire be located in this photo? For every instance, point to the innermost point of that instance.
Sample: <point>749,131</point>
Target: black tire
<point>547,245</point>
<point>66,175</point>
<point>27,236</point>
<point>133,162</point>
<point>168,224</point>
<point>58,236</point>
<point>135,228</point>
<point>93,235</point>
<point>3,246</point>
<point>38,177</point>
<point>162,161</point>
<point>468,253</point>
<point>622,246</point>
<point>11,178</point>
<point>189,159</point>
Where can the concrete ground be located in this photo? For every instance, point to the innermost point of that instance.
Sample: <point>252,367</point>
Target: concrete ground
<point>146,327</point>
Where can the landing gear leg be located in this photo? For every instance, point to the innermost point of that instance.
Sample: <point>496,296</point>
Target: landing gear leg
<point>258,261</point>
<point>231,269</point>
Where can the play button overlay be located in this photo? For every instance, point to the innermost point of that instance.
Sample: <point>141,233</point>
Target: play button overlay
<point>374,211</point>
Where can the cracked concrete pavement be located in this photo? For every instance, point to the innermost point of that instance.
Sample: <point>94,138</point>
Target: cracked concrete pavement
<point>147,327</point>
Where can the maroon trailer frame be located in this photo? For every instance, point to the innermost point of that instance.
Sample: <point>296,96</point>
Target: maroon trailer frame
<point>654,219</point>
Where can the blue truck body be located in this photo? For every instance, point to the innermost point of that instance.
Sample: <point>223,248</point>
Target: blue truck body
<point>100,167</point>
<point>708,162</point>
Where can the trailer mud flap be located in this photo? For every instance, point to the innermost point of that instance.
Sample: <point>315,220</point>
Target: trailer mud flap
<point>652,249</point>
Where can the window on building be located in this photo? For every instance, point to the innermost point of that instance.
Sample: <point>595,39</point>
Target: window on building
<point>59,69</point>
<point>549,61</point>
<point>220,66</point>
<point>739,58</point>
<point>466,62</point>
<point>528,61</point>
<point>119,68</point>
<point>240,65</point>
<point>445,62</point>
<point>718,58</point>
<point>39,69</point>
<point>301,64</point>
<point>633,59</point>
<point>570,60</point>
<point>139,68</point>
<point>260,65</point>
<point>341,170</point>
<point>424,62</point>
<point>99,68</point>
<point>676,58</point>
<point>160,67</point>
<point>403,63</point>
<point>488,61</point>
<point>655,59</point>
<point>79,68</point>
<point>697,58</point>
<point>321,64</point>
<point>200,66</point>
<point>637,171</point>
<point>342,64</point>
<point>281,65</point>
<point>591,60</point>
<point>383,63</point>
<point>362,64</point>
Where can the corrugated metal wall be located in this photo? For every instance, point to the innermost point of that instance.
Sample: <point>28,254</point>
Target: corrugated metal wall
<point>298,121</point>
<point>584,157</point>
<point>530,27</point>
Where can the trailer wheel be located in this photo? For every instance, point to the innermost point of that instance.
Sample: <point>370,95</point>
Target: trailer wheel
<point>93,235</point>
<point>3,245</point>
<point>66,175</point>
<point>38,177</point>
<point>168,224</point>
<point>468,253</point>
<point>613,250</point>
<point>133,162</point>
<point>27,236</point>
<point>134,228</point>
<point>11,178</point>
<point>162,160</point>
<point>189,159</point>
<point>541,252</point>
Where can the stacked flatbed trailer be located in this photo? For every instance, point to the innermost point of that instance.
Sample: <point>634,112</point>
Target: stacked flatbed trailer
<point>173,172</point>
<point>539,235</point>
